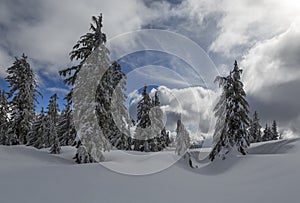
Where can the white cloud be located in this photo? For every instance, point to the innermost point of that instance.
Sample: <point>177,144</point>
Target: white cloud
<point>246,22</point>
<point>193,105</point>
<point>271,78</point>
<point>59,24</point>
<point>58,90</point>
<point>288,134</point>
<point>272,62</point>
<point>5,62</point>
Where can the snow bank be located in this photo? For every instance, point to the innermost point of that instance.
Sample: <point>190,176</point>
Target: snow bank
<point>34,176</point>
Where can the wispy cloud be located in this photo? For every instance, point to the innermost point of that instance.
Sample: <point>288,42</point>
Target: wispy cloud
<point>58,90</point>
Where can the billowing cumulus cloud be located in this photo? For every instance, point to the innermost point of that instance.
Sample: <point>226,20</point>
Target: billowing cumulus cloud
<point>245,22</point>
<point>272,77</point>
<point>273,62</point>
<point>193,105</point>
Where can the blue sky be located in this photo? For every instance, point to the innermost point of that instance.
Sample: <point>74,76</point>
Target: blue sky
<point>262,35</point>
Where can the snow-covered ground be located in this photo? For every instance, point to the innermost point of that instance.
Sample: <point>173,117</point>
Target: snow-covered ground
<point>269,173</point>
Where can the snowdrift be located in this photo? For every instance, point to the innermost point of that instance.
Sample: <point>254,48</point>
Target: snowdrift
<point>269,173</point>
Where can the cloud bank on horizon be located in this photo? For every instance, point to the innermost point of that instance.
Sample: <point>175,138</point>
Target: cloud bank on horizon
<point>262,35</point>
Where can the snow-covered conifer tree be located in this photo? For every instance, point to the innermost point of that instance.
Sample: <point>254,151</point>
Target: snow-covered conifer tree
<point>82,49</point>
<point>55,148</point>
<point>255,129</point>
<point>39,131</point>
<point>88,129</point>
<point>4,119</point>
<point>88,43</point>
<point>111,111</point>
<point>121,121</point>
<point>182,139</point>
<point>156,101</point>
<point>268,134</point>
<point>23,91</point>
<point>144,107</point>
<point>65,128</point>
<point>275,134</point>
<point>4,110</point>
<point>150,134</point>
<point>232,117</point>
<point>157,125</point>
<point>143,132</point>
<point>92,138</point>
<point>53,110</point>
<point>165,138</point>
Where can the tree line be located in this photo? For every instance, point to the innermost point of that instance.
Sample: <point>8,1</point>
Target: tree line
<point>20,124</point>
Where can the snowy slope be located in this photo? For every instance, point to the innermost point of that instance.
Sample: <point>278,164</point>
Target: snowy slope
<point>269,173</point>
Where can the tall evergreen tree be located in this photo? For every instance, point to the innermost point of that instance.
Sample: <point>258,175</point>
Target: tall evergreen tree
<point>88,130</point>
<point>55,148</point>
<point>161,137</point>
<point>87,44</point>
<point>165,138</point>
<point>255,129</point>
<point>142,133</point>
<point>232,112</point>
<point>66,129</point>
<point>275,134</point>
<point>267,136</point>
<point>150,134</point>
<point>82,49</point>
<point>53,110</point>
<point>111,111</point>
<point>156,101</point>
<point>121,122</point>
<point>3,108</point>
<point>143,109</point>
<point>182,139</point>
<point>23,91</point>
<point>37,136</point>
<point>4,119</point>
